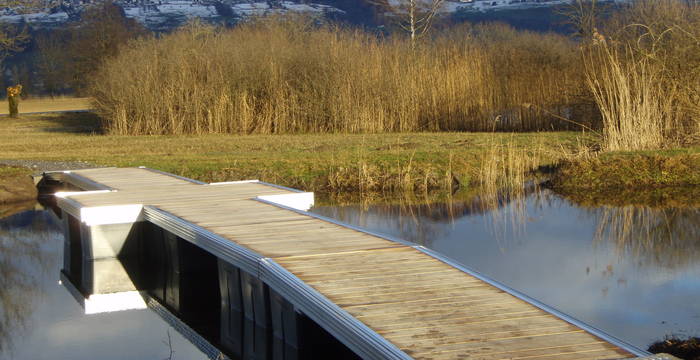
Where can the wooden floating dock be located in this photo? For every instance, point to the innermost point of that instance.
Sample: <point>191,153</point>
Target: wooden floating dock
<point>383,298</point>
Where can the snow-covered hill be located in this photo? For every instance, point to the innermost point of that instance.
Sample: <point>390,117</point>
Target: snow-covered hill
<point>491,5</point>
<point>164,14</point>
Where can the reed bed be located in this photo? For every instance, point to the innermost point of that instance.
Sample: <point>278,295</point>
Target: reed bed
<point>282,75</point>
<point>643,71</point>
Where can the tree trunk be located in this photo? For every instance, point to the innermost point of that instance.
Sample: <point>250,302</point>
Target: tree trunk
<point>14,106</point>
<point>412,19</point>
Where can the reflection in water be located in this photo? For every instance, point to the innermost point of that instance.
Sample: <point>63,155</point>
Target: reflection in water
<point>60,300</point>
<point>221,309</point>
<point>665,237</point>
<point>631,271</point>
<point>24,260</point>
<point>421,221</point>
<point>40,320</point>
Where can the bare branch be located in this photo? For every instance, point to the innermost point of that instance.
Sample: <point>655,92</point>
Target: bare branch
<point>413,16</point>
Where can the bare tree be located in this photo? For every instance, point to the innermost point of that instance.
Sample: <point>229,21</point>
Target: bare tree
<point>584,16</point>
<point>413,16</point>
<point>70,56</point>
<point>14,38</point>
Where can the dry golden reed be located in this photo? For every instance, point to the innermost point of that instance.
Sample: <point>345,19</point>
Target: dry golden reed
<point>289,75</point>
<point>644,74</point>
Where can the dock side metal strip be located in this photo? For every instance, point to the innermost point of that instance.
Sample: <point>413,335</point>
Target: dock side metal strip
<point>187,332</point>
<point>356,335</point>
<point>226,249</point>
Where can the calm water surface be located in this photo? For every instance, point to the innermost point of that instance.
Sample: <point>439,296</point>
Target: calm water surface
<point>39,319</point>
<point>633,272</point>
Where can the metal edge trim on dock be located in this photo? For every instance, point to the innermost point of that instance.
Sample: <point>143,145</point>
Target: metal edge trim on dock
<point>187,332</point>
<point>64,279</point>
<point>241,256</point>
<point>591,329</point>
<point>356,335</point>
<point>70,206</point>
<point>352,332</point>
<point>280,187</point>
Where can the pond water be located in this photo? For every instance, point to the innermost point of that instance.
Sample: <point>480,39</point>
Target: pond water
<point>39,319</point>
<point>633,272</point>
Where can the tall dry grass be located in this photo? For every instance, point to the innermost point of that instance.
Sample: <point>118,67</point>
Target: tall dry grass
<point>644,74</point>
<point>506,168</point>
<point>293,76</point>
<point>637,110</point>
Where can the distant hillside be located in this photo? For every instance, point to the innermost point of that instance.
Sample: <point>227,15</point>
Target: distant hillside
<point>164,15</point>
<point>534,19</point>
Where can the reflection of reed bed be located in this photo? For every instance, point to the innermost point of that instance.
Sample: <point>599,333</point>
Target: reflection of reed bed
<point>665,237</point>
<point>405,222</point>
<point>509,174</point>
<point>437,206</point>
<point>423,218</point>
<point>22,258</point>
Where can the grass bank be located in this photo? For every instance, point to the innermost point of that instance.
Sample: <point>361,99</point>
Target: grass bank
<point>629,171</point>
<point>349,163</point>
<point>318,162</point>
<point>16,185</point>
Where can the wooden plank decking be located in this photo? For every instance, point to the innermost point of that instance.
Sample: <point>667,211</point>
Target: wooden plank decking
<point>425,307</point>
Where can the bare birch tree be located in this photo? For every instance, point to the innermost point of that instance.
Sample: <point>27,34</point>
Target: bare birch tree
<point>413,16</point>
